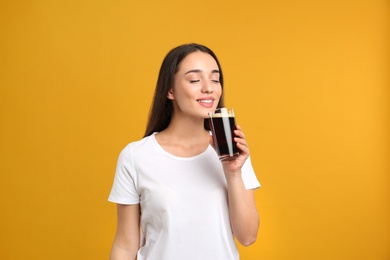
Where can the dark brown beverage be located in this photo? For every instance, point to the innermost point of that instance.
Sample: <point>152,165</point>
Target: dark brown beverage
<point>223,128</point>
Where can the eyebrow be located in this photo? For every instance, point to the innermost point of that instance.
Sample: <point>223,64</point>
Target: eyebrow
<point>199,71</point>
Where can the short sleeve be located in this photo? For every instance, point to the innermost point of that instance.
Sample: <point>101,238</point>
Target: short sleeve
<point>248,176</point>
<point>124,188</point>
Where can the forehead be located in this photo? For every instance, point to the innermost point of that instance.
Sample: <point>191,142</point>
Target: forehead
<point>198,60</point>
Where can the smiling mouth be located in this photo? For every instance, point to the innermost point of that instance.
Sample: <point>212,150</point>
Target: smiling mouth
<point>206,101</point>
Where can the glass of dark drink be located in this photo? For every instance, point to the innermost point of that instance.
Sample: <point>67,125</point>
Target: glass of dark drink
<point>222,125</point>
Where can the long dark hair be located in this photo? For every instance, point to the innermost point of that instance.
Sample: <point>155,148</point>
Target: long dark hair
<point>162,107</point>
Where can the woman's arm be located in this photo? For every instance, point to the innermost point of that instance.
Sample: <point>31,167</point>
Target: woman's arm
<point>127,237</point>
<point>244,218</point>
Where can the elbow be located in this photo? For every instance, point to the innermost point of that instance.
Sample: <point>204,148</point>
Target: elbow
<point>249,237</point>
<point>248,240</point>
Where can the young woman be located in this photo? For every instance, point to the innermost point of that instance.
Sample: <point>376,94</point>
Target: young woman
<point>175,199</point>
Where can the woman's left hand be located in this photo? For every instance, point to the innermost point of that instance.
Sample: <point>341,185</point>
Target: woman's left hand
<point>242,145</point>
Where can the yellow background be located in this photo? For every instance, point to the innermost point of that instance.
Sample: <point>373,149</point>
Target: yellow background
<point>309,81</point>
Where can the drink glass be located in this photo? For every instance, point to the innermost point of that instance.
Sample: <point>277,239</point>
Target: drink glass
<point>222,124</point>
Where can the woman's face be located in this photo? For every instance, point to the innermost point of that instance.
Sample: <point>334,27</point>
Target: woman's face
<point>196,88</point>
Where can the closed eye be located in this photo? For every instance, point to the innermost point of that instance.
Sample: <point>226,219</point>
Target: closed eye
<point>194,81</point>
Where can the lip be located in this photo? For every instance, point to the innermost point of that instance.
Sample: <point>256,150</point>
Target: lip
<point>207,102</point>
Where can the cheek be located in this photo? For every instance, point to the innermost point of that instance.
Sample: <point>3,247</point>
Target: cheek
<point>218,91</point>
<point>183,92</point>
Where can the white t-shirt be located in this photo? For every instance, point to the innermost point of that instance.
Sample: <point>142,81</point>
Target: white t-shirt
<point>183,201</point>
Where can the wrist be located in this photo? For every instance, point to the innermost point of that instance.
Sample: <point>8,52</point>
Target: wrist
<point>236,174</point>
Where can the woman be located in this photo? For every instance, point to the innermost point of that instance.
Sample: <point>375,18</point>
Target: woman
<point>175,199</point>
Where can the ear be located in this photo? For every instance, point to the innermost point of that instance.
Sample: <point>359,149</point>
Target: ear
<point>170,94</point>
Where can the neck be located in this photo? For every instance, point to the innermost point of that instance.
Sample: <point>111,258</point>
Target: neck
<point>184,137</point>
<point>186,127</point>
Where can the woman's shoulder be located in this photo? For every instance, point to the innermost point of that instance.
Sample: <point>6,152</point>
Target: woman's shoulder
<point>138,143</point>
<point>135,149</point>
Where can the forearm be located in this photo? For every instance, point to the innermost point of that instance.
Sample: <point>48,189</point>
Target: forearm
<point>244,218</point>
<point>127,237</point>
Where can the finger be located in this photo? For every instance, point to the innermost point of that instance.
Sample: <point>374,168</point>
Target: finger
<point>211,141</point>
<point>239,133</point>
<point>241,141</point>
<point>244,149</point>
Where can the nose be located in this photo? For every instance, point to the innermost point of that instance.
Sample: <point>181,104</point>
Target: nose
<point>207,87</point>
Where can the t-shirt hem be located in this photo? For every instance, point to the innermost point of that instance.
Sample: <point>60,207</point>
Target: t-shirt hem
<point>123,201</point>
<point>253,187</point>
